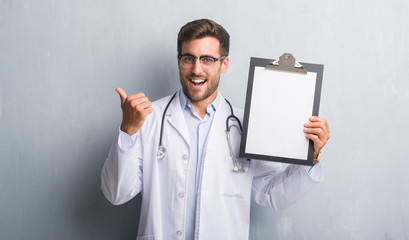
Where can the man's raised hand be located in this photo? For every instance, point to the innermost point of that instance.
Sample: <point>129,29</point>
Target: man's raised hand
<point>318,131</point>
<point>135,108</point>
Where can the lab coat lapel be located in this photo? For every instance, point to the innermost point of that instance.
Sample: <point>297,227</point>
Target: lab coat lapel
<point>176,118</point>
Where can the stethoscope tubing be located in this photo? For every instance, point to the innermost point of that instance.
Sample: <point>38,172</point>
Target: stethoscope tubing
<point>162,150</point>
<point>163,119</point>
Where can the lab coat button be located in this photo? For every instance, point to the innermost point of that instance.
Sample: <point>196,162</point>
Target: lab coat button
<point>181,195</point>
<point>179,233</point>
<point>184,157</point>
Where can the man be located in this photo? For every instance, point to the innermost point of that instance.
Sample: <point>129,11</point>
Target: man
<point>189,188</point>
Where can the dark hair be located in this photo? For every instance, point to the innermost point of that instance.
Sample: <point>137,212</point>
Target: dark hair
<point>204,28</point>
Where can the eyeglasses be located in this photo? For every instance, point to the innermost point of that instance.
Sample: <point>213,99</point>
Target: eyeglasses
<point>206,62</point>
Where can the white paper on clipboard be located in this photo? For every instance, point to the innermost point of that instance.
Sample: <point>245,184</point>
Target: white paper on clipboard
<point>281,103</point>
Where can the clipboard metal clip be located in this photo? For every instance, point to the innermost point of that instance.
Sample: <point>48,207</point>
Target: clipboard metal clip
<point>286,63</point>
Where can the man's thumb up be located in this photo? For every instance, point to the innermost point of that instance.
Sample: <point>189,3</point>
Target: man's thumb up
<point>135,108</point>
<point>122,94</point>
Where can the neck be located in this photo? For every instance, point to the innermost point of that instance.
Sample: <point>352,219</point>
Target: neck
<point>201,106</point>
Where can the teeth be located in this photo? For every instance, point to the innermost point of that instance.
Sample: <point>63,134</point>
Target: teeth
<point>198,81</point>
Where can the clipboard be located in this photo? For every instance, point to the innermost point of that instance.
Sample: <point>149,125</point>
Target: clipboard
<point>281,96</point>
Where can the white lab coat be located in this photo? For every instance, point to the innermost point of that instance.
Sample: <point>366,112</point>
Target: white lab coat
<point>223,201</point>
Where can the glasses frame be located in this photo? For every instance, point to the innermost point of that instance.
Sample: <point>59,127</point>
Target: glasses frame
<point>200,58</point>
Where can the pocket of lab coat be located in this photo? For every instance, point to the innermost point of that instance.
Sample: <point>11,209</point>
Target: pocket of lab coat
<point>235,184</point>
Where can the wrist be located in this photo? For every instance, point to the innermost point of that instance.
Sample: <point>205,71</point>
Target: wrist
<point>128,130</point>
<point>317,158</point>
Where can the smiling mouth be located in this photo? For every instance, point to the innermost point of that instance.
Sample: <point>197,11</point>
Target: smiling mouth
<point>197,82</point>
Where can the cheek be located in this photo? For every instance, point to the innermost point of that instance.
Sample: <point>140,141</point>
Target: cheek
<point>183,72</point>
<point>215,76</point>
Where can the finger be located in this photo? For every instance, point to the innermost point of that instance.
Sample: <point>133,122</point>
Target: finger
<point>122,94</point>
<point>147,111</point>
<point>313,137</point>
<point>319,119</point>
<point>138,101</point>
<point>314,124</point>
<point>317,125</point>
<point>318,122</point>
<point>136,96</point>
<point>316,131</point>
<point>146,104</point>
<point>143,106</point>
<point>318,144</point>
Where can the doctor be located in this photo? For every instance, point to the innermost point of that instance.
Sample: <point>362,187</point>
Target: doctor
<point>189,188</point>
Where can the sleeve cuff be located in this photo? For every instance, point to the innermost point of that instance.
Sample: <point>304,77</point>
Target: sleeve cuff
<point>125,141</point>
<point>316,171</point>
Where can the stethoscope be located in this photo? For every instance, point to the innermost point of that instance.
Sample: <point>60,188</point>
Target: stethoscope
<point>239,164</point>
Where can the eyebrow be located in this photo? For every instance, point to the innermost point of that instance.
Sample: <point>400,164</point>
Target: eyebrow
<point>189,54</point>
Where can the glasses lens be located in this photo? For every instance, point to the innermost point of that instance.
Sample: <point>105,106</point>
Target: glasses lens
<point>207,62</point>
<point>187,61</point>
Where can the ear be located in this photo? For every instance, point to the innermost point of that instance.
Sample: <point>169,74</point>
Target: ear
<point>225,65</point>
<point>177,60</point>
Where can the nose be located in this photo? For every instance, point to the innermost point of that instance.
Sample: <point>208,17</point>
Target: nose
<point>197,67</point>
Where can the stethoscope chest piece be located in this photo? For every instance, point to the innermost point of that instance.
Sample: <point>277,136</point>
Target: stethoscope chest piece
<point>161,152</point>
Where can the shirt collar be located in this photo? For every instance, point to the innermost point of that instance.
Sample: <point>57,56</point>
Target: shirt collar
<point>186,104</point>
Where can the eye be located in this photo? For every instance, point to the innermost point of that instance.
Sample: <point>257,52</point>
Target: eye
<point>207,60</point>
<point>188,59</point>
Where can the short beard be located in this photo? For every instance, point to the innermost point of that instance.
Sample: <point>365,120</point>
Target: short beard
<point>208,93</point>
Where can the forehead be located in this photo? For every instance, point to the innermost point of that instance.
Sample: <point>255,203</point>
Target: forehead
<point>209,46</point>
